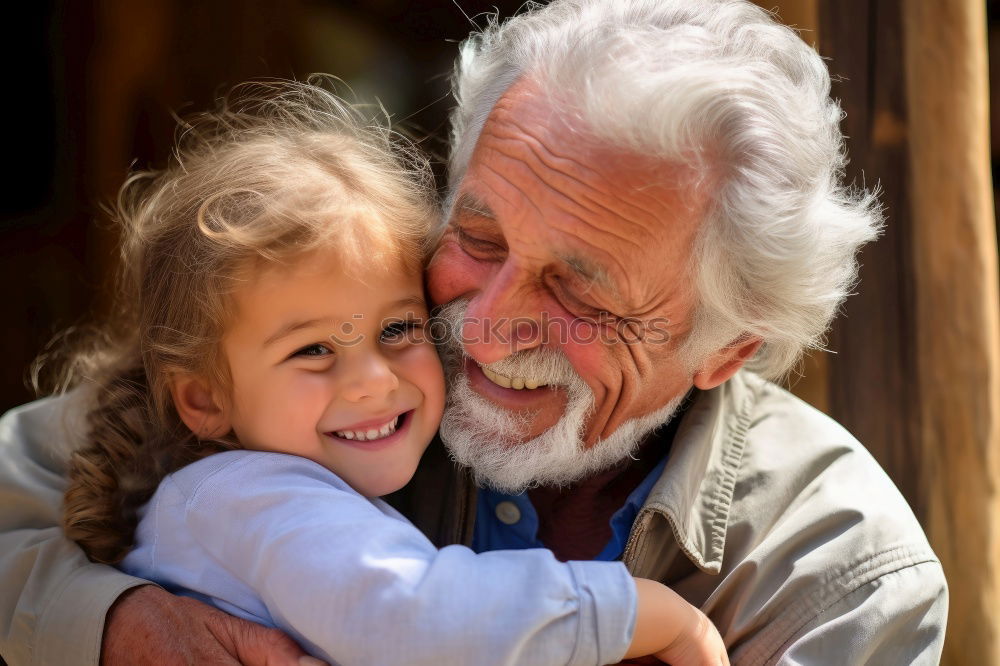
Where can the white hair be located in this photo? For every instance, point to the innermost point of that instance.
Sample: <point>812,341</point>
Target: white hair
<point>488,439</point>
<point>720,86</point>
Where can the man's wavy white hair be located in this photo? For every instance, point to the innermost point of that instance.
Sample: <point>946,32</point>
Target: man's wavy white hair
<point>721,86</point>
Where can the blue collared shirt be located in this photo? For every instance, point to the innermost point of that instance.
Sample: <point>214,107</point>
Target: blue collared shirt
<point>510,522</point>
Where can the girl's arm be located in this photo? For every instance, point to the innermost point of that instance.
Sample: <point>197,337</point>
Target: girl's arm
<point>358,584</point>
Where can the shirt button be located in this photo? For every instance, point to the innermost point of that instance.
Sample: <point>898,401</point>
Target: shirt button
<point>508,513</point>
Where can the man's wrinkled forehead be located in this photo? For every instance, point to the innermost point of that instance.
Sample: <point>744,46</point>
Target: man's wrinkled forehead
<point>548,112</point>
<point>563,137</point>
<point>539,133</point>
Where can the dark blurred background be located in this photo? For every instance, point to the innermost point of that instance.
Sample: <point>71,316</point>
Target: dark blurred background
<point>96,82</point>
<point>94,87</point>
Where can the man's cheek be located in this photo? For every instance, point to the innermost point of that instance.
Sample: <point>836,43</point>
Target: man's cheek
<point>452,274</point>
<point>615,370</point>
<point>592,362</point>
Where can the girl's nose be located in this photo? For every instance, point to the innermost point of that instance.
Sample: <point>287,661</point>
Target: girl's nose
<point>369,377</point>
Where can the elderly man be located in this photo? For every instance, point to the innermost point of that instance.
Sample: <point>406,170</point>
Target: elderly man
<point>644,199</point>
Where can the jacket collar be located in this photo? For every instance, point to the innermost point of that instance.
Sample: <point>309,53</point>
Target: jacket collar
<point>695,491</point>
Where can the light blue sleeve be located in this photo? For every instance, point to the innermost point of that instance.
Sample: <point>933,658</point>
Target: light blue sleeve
<point>357,585</point>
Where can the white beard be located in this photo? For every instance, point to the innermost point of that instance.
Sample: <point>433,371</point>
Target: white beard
<point>487,438</point>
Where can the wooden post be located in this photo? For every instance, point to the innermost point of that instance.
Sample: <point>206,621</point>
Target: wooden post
<point>917,372</point>
<point>958,325</point>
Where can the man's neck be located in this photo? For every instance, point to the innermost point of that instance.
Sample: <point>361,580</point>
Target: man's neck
<point>574,521</point>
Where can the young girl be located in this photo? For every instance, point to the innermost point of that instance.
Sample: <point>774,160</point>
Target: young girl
<point>268,378</point>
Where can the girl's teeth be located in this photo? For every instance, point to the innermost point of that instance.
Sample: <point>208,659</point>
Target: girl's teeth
<point>370,433</point>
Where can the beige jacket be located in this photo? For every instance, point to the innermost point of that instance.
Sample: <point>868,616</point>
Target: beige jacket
<point>768,515</point>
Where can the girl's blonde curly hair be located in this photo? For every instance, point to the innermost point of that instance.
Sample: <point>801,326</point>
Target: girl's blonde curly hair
<point>278,169</point>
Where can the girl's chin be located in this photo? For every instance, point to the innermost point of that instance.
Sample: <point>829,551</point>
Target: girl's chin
<point>384,486</point>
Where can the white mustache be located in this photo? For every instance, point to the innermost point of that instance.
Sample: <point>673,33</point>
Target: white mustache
<point>547,365</point>
<point>490,440</point>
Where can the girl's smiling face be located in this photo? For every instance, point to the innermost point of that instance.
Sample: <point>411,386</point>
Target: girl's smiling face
<point>335,368</point>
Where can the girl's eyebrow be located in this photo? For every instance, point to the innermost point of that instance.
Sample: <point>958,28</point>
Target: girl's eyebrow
<point>292,327</point>
<point>407,300</point>
<point>298,325</point>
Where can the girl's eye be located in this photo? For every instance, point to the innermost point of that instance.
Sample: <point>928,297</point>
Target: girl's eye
<point>399,332</point>
<point>313,351</point>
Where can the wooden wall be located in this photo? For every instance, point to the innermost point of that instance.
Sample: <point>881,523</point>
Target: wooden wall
<point>91,88</point>
<point>915,373</point>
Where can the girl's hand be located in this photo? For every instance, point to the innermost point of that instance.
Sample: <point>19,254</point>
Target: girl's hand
<point>699,644</point>
<point>672,630</point>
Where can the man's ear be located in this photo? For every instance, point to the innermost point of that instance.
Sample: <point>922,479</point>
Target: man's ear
<point>723,364</point>
<point>200,406</point>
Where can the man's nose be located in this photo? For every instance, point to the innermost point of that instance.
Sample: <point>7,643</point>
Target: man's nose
<point>368,377</point>
<point>504,318</point>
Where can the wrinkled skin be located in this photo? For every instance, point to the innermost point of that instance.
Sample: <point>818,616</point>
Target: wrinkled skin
<point>150,627</point>
<point>541,200</point>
